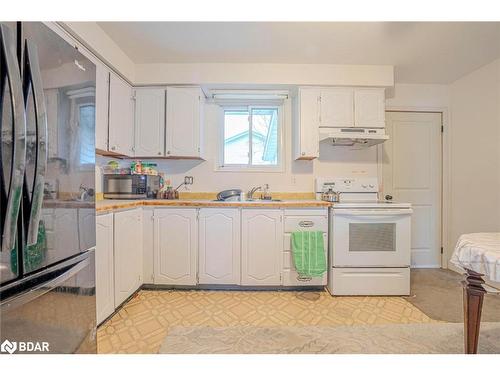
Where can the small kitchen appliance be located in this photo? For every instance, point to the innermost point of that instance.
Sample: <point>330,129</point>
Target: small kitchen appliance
<point>130,186</point>
<point>369,249</point>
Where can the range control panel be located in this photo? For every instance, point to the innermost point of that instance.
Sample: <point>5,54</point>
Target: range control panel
<point>347,184</point>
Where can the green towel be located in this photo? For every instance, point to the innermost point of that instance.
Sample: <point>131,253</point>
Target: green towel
<point>308,253</point>
<point>34,255</point>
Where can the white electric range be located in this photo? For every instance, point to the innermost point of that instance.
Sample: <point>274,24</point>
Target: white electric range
<point>370,239</point>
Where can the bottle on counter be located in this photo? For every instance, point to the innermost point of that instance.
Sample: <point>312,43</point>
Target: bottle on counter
<point>169,193</point>
<point>266,194</point>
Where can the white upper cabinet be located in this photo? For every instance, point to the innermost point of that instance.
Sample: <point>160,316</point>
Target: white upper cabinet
<point>369,107</point>
<point>104,275</point>
<point>175,246</point>
<point>337,107</point>
<point>317,109</point>
<point>149,122</point>
<point>306,124</point>
<point>219,246</point>
<point>121,116</point>
<point>102,107</point>
<point>261,247</point>
<point>184,122</point>
<point>127,253</point>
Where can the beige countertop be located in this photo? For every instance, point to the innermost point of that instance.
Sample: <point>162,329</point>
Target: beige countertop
<point>117,204</point>
<point>60,203</point>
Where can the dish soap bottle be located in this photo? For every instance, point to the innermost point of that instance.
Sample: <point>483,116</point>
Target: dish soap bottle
<point>266,195</point>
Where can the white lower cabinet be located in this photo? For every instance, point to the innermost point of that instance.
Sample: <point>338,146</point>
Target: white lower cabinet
<point>86,225</point>
<point>105,291</point>
<point>219,246</point>
<point>67,239</point>
<point>127,253</point>
<point>261,246</point>
<point>175,246</point>
<point>296,220</point>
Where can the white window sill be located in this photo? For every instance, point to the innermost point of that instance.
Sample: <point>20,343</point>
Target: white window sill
<point>245,169</point>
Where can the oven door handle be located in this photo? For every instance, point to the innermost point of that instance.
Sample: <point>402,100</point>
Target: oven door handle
<point>375,212</point>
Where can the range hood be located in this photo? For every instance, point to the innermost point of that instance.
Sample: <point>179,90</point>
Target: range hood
<point>355,138</point>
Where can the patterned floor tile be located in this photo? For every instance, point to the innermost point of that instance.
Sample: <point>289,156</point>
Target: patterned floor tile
<point>142,324</point>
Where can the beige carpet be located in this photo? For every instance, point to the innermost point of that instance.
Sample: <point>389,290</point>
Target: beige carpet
<point>431,338</point>
<point>438,294</point>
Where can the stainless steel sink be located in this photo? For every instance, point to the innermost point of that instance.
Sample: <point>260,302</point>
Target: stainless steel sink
<point>251,200</point>
<point>264,200</point>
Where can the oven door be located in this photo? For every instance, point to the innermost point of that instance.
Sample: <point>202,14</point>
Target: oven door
<point>371,237</point>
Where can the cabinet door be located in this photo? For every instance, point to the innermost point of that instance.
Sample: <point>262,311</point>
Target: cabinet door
<point>66,236</point>
<point>337,107</point>
<point>102,107</point>
<point>261,247</point>
<point>86,225</point>
<point>121,116</point>
<point>175,246</point>
<point>219,241</point>
<point>149,122</point>
<point>183,122</point>
<point>105,293</point>
<point>369,108</point>
<point>128,253</point>
<point>306,129</point>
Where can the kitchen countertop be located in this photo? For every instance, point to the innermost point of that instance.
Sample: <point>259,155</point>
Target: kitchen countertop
<point>117,204</point>
<point>60,203</point>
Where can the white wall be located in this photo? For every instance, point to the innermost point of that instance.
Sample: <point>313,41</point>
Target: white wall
<point>265,74</point>
<point>94,38</point>
<point>475,152</point>
<point>298,175</point>
<point>418,96</point>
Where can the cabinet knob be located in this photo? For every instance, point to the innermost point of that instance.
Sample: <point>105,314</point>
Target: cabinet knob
<point>113,148</point>
<point>306,223</point>
<point>159,152</point>
<point>168,152</point>
<point>303,153</point>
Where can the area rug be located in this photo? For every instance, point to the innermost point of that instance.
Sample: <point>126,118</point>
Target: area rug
<point>444,338</point>
<point>438,294</point>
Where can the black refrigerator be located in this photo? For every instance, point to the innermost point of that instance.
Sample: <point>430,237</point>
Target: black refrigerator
<point>47,203</point>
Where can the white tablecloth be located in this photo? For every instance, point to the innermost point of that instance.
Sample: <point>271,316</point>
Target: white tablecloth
<point>479,252</point>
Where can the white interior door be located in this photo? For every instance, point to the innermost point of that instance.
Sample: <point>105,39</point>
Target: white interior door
<point>412,173</point>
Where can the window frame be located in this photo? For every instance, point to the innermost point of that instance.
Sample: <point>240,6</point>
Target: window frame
<point>84,166</point>
<point>249,106</point>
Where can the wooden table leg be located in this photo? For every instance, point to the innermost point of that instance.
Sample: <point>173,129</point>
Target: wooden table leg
<point>473,304</point>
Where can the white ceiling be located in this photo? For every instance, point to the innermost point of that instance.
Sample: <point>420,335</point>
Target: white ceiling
<point>425,52</point>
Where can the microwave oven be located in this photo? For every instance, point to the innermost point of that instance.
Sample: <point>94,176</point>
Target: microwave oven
<point>130,186</point>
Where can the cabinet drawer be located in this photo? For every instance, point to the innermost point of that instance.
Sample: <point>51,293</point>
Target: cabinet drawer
<point>369,281</point>
<point>291,277</point>
<point>287,242</point>
<point>294,223</point>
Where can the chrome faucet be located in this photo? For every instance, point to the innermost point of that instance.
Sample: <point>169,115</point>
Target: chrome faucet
<point>85,192</point>
<point>252,191</point>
